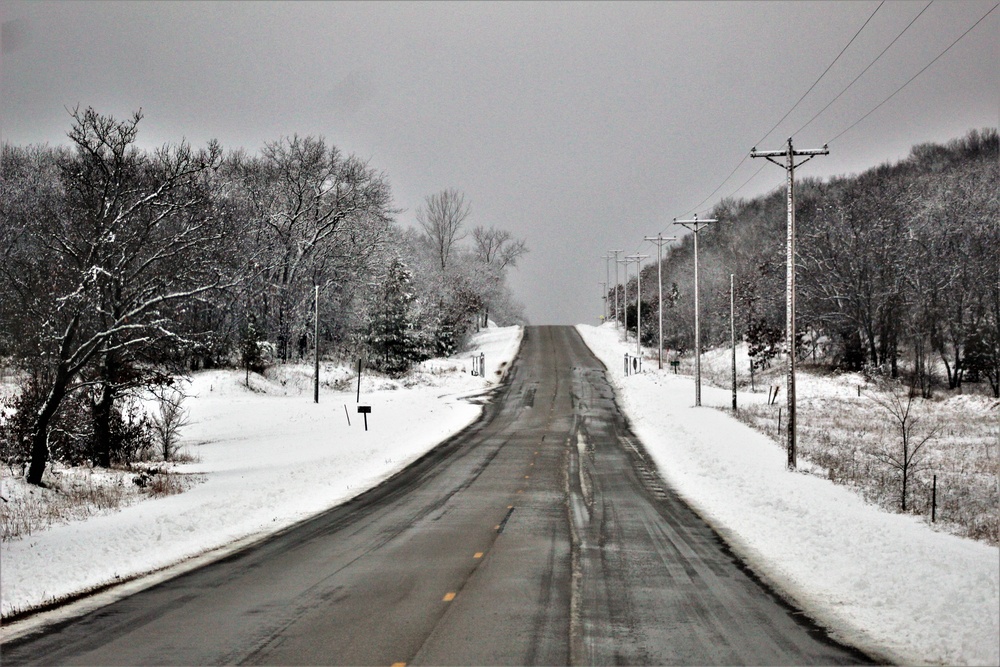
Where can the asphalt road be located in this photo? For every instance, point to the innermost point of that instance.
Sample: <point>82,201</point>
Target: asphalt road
<point>541,535</point>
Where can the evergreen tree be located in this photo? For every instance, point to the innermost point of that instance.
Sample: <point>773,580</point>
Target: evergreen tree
<point>392,337</point>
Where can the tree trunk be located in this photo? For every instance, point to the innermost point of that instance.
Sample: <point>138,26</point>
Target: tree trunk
<point>102,409</point>
<point>40,432</point>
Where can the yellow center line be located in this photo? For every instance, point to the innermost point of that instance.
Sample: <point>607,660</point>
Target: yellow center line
<point>399,664</point>
<point>479,554</point>
<point>449,597</point>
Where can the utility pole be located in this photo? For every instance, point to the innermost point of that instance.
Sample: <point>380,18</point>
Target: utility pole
<point>625,262</point>
<point>659,240</point>
<point>732,332</point>
<point>316,345</point>
<point>616,282</point>
<point>604,297</point>
<point>607,285</point>
<point>638,295</point>
<point>790,154</point>
<point>696,225</point>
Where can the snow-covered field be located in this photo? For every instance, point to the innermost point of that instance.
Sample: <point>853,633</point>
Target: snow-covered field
<point>884,582</point>
<point>268,457</point>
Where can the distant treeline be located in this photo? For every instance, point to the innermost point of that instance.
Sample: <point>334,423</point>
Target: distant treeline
<point>897,267</point>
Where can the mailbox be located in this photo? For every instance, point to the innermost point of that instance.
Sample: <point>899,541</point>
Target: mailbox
<point>365,410</point>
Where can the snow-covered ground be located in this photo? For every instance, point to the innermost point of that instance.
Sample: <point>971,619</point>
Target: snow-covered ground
<point>884,582</point>
<point>269,457</point>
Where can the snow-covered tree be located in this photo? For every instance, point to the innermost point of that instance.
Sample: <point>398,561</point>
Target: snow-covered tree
<point>392,335</point>
<point>99,274</point>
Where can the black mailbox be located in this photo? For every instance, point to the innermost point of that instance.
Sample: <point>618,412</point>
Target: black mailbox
<point>365,410</point>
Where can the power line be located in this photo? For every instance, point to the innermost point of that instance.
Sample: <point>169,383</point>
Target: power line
<point>759,141</point>
<point>865,69</point>
<point>753,176</point>
<point>851,127</point>
<point>724,181</point>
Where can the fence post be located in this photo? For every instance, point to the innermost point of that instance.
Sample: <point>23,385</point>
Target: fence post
<point>779,422</point>
<point>934,500</point>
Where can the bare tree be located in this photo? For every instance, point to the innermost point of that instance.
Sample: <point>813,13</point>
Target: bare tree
<point>441,218</point>
<point>318,214</point>
<point>134,236</point>
<point>170,418</point>
<point>497,249</point>
<point>905,457</point>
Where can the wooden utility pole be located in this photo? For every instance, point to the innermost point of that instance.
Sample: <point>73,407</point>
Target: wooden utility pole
<point>696,225</point>
<point>617,261</point>
<point>604,298</point>
<point>659,240</point>
<point>790,154</point>
<point>638,295</point>
<point>625,262</point>
<point>607,285</point>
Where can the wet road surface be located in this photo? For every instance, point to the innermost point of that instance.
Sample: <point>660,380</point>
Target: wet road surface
<point>541,535</point>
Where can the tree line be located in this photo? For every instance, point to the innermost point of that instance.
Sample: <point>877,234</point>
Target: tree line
<point>897,267</point>
<point>122,267</point>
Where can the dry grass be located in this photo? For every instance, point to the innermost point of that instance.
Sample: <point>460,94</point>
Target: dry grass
<point>845,437</point>
<point>73,494</point>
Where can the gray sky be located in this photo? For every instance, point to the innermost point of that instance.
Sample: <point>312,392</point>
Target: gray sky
<point>580,126</point>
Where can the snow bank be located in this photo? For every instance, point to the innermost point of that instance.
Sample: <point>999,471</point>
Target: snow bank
<point>270,457</point>
<point>883,582</point>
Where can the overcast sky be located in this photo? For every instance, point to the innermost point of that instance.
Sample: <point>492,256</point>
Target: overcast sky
<point>581,127</point>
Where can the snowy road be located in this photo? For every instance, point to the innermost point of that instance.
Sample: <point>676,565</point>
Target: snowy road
<point>541,535</point>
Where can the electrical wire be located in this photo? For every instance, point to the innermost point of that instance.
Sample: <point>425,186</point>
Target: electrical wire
<point>794,106</point>
<point>910,80</point>
<point>864,70</point>
<point>761,140</point>
<point>862,118</point>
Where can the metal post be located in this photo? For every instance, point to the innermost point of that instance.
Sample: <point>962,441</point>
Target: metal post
<point>934,500</point>
<point>732,332</point>
<point>359,381</point>
<point>696,225</point>
<point>638,301</point>
<point>658,240</point>
<point>790,154</point>
<point>316,344</point>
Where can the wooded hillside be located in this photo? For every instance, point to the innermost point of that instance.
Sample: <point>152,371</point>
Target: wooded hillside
<point>898,269</point>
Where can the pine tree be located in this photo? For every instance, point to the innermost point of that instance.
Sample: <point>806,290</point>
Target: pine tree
<point>392,336</point>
